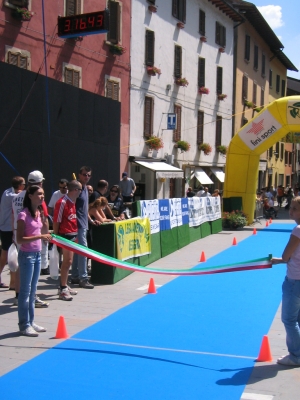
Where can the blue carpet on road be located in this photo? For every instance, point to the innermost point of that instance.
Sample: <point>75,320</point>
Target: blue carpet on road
<point>198,337</point>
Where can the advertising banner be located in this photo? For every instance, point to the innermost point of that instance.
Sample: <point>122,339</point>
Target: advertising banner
<point>150,209</point>
<point>164,218</point>
<point>133,238</point>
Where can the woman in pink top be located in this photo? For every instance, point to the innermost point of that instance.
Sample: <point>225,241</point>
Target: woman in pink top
<point>31,220</point>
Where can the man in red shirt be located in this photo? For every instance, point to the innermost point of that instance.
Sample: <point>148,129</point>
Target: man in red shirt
<point>65,225</point>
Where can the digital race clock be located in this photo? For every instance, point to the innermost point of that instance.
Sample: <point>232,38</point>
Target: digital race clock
<point>83,24</point>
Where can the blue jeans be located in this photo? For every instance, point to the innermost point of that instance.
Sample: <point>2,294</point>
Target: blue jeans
<point>79,265</point>
<point>30,267</point>
<point>290,316</point>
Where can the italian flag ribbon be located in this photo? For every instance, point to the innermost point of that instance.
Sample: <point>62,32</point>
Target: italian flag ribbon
<point>260,263</point>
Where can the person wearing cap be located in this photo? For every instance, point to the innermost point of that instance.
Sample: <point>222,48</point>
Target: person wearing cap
<point>127,187</point>
<point>34,178</point>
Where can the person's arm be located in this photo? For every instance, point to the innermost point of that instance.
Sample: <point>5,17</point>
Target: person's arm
<point>50,210</point>
<point>56,227</point>
<point>133,189</point>
<point>21,238</point>
<point>94,213</point>
<point>292,245</point>
<point>103,216</point>
<point>108,213</point>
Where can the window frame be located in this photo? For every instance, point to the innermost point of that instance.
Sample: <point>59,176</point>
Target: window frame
<point>27,5</point>
<point>202,18</point>
<point>149,53</point>
<point>200,127</point>
<point>177,131</point>
<point>220,34</point>
<point>179,10</point>
<point>18,52</point>
<point>177,61</point>
<point>219,80</point>
<point>116,19</point>
<point>72,67</point>
<point>113,80</point>
<point>201,72</point>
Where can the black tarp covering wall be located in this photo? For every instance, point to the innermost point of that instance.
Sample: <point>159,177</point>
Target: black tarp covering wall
<point>84,130</point>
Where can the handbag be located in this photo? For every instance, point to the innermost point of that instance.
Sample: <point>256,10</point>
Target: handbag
<point>12,258</point>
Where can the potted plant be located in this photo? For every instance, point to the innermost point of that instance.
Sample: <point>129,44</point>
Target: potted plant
<point>180,25</point>
<point>222,149</point>
<point>152,8</point>
<point>154,143</point>
<point>248,104</point>
<point>181,82</point>
<point>203,39</point>
<point>206,148</point>
<point>182,145</point>
<point>222,96</point>
<point>22,14</point>
<point>153,71</point>
<point>234,219</point>
<point>258,109</point>
<point>221,49</point>
<point>203,90</point>
<point>117,49</point>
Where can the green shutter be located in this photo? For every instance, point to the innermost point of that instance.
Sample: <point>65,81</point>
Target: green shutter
<point>149,48</point>
<point>114,22</point>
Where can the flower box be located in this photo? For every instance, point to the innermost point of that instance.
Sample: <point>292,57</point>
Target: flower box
<point>258,109</point>
<point>203,39</point>
<point>22,14</point>
<point>222,50</point>
<point>249,104</point>
<point>152,8</point>
<point>182,145</point>
<point>180,25</point>
<point>154,143</point>
<point>222,149</point>
<point>222,96</point>
<point>206,148</point>
<point>117,49</point>
<point>153,71</point>
<point>181,82</point>
<point>203,90</point>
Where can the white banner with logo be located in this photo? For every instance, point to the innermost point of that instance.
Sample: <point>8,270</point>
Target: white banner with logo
<point>150,209</point>
<point>203,209</point>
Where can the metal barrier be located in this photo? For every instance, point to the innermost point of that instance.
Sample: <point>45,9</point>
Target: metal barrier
<point>258,213</point>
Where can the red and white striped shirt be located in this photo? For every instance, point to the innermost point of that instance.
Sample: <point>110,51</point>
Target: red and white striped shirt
<point>65,214</point>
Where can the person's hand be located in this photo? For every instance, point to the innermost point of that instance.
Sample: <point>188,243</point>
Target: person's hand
<point>46,237</point>
<point>276,260</point>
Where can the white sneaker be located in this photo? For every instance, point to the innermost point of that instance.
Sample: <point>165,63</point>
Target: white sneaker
<point>29,332</point>
<point>72,292</point>
<point>38,328</point>
<point>65,295</point>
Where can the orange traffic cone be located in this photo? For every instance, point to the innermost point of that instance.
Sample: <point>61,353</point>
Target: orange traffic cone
<point>265,351</point>
<point>234,242</point>
<point>151,288</point>
<point>270,220</point>
<point>202,258</point>
<point>61,332</point>
<point>267,224</point>
<point>254,231</point>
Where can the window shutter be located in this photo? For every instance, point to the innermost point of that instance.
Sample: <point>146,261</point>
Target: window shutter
<point>262,97</point>
<point>223,36</point>
<point>283,88</point>
<point>112,89</point>
<point>277,83</point>
<point>19,3</point>
<point>184,11</point>
<point>219,80</point>
<point>114,22</point>
<point>217,32</point>
<point>70,7</point>
<point>281,150</point>
<point>247,47</point>
<point>116,91</point>
<point>174,8</point>
<point>201,72</point>
<point>202,22</point>
<point>254,97</point>
<point>23,62</point>
<point>219,131</point>
<point>109,89</point>
<point>277,149</point>
<point>76,77</point>
<point>177,62</point>
<point>245,88</point>
<point>148,116</point>
<point>263,65</point>
<point>270,152</point>
<point>78,7</point>
<point>151,1</point>
<point>68,76</point>
<point>255,66</point>
<point>149,53</point>
<point>177,131</point>
<point>200,127</point>
<point>12,58</point>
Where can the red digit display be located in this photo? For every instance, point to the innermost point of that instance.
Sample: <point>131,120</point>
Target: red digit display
<point>83,24</point>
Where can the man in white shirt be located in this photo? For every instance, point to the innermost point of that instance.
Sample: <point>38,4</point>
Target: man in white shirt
<point>63,189</point>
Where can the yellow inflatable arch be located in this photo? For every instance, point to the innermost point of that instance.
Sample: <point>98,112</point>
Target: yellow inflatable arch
<point>268,127</point>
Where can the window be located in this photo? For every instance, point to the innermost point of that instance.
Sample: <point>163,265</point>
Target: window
<point>281,151</point>
<point>200,127</point>
<point>201,72</point>
<point>218,131</point>
<point>151,1</point>
<point>177,131</point>
<point>245,87</point>
<point>286,157</point>
<point>270,78</point>
<point>255,65</point>
<point>149,48</point>
<point>282,88</point>
<point>148,116</point>
<point>177,62</point>
<point>17,3</point>
<point>277,149</point>
<point>254,94</point>
<point>262,96</point>
<point>219,80</point>
<point>290,157</point>
<point>202,22</point>
<point>112,89</point>
<point>179,9</point>
<point>247,48</point>
<point>72,75</point>
<point>270,152</point>
<point>263,65</point>
<point>73,7</point>
<point>18,59</point>
<point>277,83</point>
<point>114,34</point>
<point>220,34</point>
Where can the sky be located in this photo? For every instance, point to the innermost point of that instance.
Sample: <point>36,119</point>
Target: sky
<point>283,18</point>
